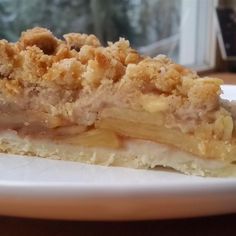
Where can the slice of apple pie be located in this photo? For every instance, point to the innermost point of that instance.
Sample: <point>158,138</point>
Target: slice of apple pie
<point>73,99</point>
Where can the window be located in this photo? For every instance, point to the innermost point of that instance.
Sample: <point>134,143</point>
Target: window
<point>182,29</point>
<point>198,34</point>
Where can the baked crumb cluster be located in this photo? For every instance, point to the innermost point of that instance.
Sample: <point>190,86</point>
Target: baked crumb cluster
<point>77,77</point>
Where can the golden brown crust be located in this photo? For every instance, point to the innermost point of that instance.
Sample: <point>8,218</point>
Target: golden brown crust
<point>67,73</point>
<point>9,59</point>
<point>76,40</point>
<point>42,38</point>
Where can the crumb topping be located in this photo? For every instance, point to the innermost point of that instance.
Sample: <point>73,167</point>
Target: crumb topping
<point>40,38</point>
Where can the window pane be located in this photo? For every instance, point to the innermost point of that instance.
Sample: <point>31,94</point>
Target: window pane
<point>152,26</point>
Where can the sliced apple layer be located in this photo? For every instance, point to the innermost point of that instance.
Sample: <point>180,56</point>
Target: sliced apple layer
<point>114,126</point>
<point>93,138</point>
<point>134,124</point>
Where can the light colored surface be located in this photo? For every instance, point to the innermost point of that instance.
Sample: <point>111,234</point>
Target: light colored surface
<point>36,187</point>
<point>229,91</point>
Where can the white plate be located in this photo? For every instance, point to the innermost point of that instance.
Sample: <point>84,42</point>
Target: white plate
<point>35,187</point>
<point>229,91</point>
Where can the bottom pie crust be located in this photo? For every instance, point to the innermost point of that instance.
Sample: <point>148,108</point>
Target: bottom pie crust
<point>138,154</point>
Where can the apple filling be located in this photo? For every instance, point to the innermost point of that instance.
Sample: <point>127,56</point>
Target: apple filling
<point>111,130</point>
<point>141,125</point>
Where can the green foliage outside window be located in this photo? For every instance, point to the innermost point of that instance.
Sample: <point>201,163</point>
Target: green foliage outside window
<point>141,21</point>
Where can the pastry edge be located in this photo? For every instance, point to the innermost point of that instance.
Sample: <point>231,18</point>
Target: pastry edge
<point>137,154</point>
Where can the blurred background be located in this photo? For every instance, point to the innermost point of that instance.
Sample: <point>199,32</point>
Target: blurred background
<point>185,30</point>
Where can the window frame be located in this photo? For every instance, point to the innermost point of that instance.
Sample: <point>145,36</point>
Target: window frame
<point>198,43</point>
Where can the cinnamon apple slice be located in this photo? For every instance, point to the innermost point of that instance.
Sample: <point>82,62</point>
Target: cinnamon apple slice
<point>92,138</point>
<point>138,126</point>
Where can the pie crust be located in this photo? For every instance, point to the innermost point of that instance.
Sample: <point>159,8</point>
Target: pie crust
<point>74,99</point>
